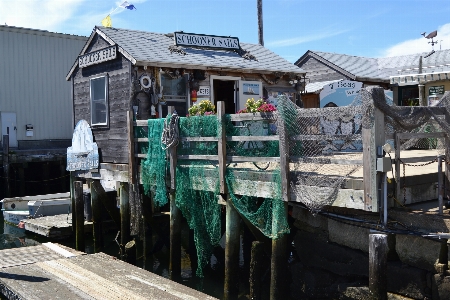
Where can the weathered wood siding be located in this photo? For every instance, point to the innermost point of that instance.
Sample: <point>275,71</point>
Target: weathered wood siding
<point>316,71</point>
<point>112,141</point>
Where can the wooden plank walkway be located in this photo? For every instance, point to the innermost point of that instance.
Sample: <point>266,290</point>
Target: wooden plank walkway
<point>59,226</point>
<point>94,276</point>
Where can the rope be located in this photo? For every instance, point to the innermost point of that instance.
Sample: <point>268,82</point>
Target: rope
<point>170,134</point>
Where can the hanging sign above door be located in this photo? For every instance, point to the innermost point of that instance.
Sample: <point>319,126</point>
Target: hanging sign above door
<point>206,41</point>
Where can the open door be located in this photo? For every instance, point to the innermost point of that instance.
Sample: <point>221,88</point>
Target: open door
<point>9,127</point>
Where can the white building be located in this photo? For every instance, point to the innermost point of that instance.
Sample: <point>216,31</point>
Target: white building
<point>36,108</point>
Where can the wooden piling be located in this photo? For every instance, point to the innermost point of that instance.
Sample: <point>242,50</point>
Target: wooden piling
<point>440,186</point>
<point>175,217</point>
<point>97,230</point>
<point>130,252</point>
<point>378,248</point>
<point>72,200</point>
<point>232,246</point>
<point>124,214</point>
<point>79,211</point>
<point>109,205</point>
<point>256,270</point>
<point>278,264</point>
<point>6,164</point>
<point>279,288</point>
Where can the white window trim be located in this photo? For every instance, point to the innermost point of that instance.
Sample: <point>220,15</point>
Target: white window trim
<point>106,124</point>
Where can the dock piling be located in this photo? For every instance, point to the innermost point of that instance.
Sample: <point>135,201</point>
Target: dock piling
<point>124,214</point>
<point>97,230</point>
<point>232,247</point>
<point>256,269</point>
<point>378,265</point>
<point>79,220</point>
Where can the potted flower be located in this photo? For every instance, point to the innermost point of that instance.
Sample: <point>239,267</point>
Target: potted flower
<point>203,108</point>
<point>254,106</point>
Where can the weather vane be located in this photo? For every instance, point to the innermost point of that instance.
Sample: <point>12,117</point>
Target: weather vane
<point>431,35</point>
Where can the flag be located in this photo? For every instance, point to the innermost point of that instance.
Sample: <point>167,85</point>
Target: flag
<point>107,21</point>
<point>127,5</point>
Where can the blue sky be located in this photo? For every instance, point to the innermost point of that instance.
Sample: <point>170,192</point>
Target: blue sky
<point>291,27</point>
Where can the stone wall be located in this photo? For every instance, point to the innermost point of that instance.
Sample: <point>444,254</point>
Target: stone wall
<point>333,261</point>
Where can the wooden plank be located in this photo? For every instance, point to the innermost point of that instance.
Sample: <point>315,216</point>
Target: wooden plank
<point>198,139</point>
<point>372,138</point>
<point>89,277</point>
<point>131,150</point>
<point>321,137</point>
<point>420,135</point>
<point>222,147</point>
<point>398,192</point>
<point>250,138</point>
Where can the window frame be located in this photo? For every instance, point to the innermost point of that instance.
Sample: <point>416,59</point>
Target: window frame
<point>106,102</point>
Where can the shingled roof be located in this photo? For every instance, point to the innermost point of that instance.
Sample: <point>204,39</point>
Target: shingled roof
<point>380,69</point>
<point>149,48</point>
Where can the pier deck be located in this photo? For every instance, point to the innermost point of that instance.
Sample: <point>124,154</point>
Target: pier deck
<point>59,226</point>
<point>95,276</point>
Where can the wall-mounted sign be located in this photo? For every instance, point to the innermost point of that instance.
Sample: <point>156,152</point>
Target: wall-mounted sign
<point>206,41</point>
<point>436,90</point>
<point>203,90</point>
<point>83,155</point>
<point>248,90</point>
<point>341,93</point>
<point>97,57</point>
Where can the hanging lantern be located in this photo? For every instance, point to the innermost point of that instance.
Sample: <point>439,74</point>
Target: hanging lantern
<point>193,95</point>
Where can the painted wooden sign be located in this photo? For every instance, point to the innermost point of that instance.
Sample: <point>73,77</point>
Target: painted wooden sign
<point>206,41</point>
<point>436,90</point>
<point>203,90</point>
<point>97,57</point>
<point>83,155</point>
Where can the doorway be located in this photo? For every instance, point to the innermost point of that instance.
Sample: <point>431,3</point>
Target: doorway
<point>9,127</point>
<point>224,90</point>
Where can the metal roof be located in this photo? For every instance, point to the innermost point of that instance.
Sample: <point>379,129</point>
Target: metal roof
<point>365,68</point>
<point>152,49</point>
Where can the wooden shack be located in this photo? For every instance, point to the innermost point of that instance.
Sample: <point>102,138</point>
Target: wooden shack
<point>121,69</point>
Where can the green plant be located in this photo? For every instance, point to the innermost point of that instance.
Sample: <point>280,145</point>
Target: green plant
<point>204,107</point>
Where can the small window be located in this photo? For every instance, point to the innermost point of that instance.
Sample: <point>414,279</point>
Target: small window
<point>99,101</point>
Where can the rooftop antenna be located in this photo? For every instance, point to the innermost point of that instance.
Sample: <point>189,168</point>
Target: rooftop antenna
<point>431,35</point>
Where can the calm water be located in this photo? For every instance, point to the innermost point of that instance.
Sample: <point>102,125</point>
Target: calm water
<point>158,263</point>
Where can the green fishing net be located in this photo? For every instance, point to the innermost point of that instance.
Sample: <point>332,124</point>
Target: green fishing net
<point>153,168</point>
<point>197,177</point>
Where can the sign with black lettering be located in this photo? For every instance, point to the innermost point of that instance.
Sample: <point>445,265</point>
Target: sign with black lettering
<point>203,90</point>
<point>436,90</point>
<point>97,57</point>
<point>83,154</point>
<point>206,41</point>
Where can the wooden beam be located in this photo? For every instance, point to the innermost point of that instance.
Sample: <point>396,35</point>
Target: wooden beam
<point>232,244</point>
<point>378,248</point>
<point>372,137</point>
<point>175,216</point>
<point>222,146</point>
<point>132,173</point>
<point>79,211</point>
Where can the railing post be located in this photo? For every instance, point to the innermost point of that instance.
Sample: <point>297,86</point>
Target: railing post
<point>372,137</point>
<point>175,216</point>
<point>278,265</point>
<point>440,186</point>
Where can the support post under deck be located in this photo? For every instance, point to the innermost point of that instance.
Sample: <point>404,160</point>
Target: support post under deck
<point>232,243</point>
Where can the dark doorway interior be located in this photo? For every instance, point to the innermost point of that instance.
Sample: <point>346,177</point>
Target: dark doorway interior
<point>224,91</point>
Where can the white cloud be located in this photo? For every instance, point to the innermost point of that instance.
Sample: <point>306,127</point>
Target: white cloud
<point>46,15</point>
<point>305,39</point>
<point>421,44</point>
